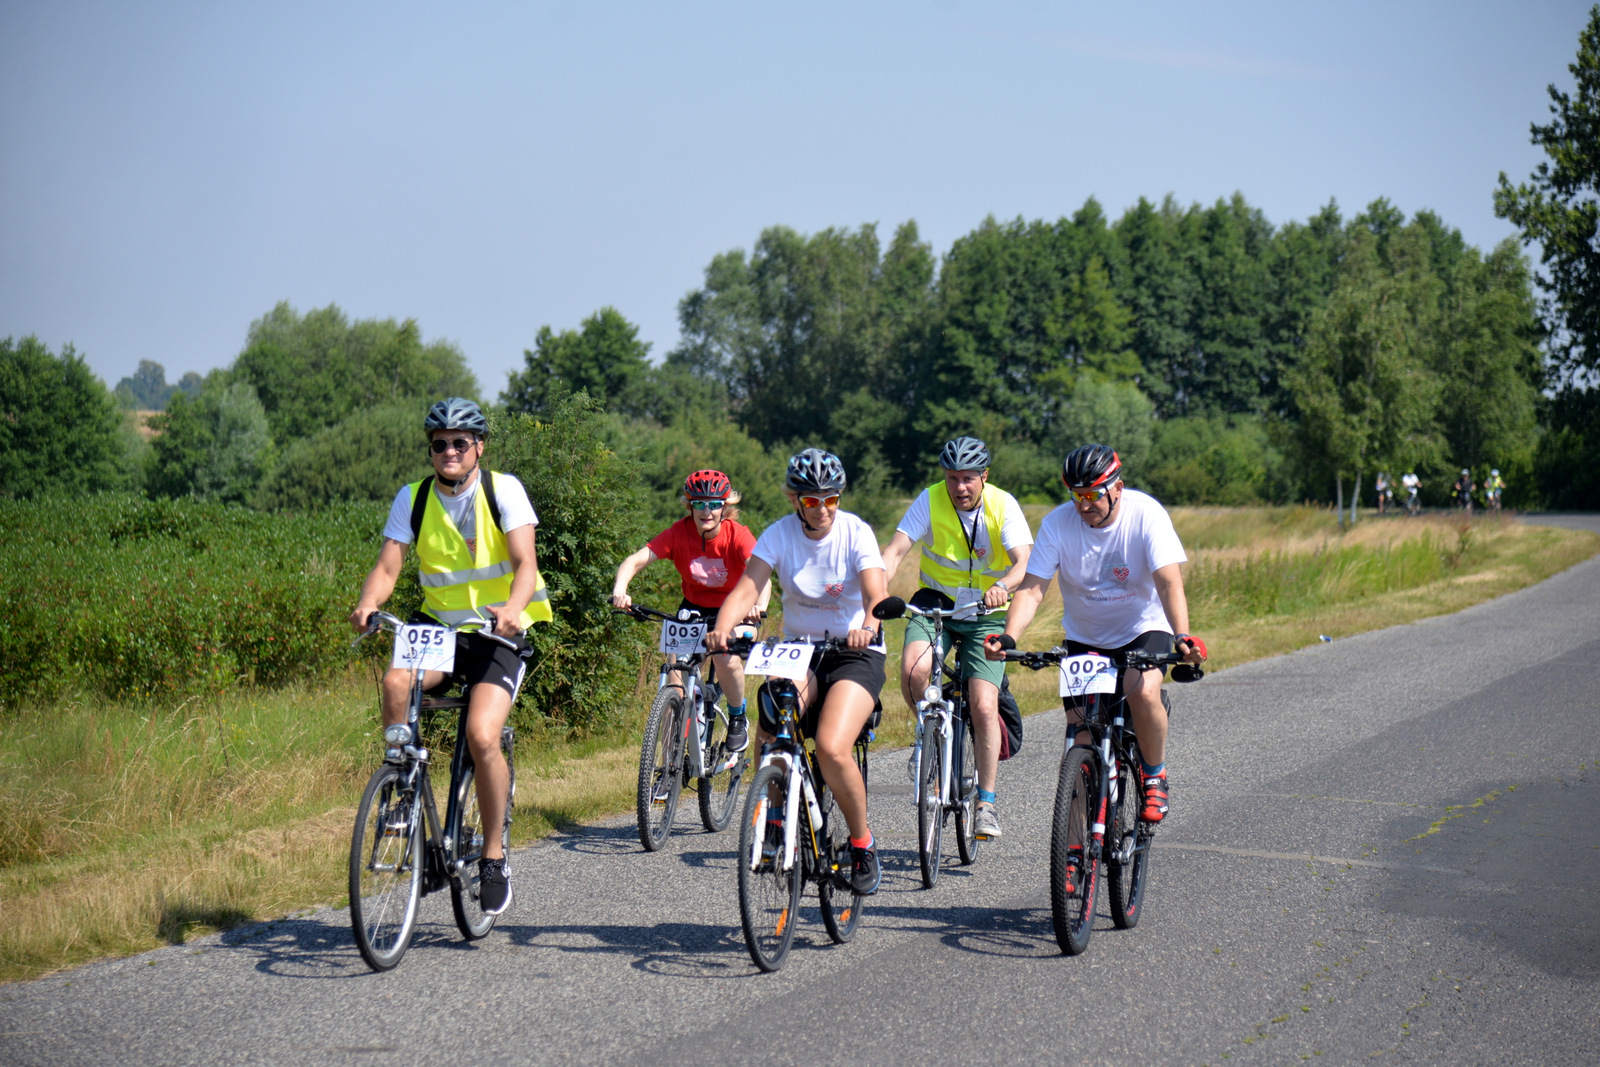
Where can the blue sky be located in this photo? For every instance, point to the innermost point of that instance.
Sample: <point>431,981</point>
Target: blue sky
<point>171,171</point>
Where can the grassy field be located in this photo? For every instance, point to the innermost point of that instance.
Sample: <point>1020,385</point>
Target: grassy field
<point>124,828</point>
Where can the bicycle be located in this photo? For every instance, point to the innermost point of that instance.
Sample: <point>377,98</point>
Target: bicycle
<point>1413,502</point>
<point>943,769</point>
<point>400,850</point>
<point>684,708</point>
<point>1099,787</point>
<point>809,841</point>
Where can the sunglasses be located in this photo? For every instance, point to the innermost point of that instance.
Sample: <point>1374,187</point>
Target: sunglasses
<point>820,501</point>
<point>1089,496</point>
<point>707,505</point>
<point>457,444</point>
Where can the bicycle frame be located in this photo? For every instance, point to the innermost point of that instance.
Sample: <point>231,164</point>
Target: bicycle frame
<point>696,723</point>
<point>787,751</point>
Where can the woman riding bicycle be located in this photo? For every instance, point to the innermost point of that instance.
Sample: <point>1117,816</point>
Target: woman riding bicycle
<point>828,563</point>
<point>710,549</point>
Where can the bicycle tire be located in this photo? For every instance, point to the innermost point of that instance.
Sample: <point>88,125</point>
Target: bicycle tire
<point>967,806</point>
<point>466,847</point>
<point>769,897</point>
<point>930,807</point>
<point>1126,881</point>
<point>719,793</point>
<point>385,869</point>
<point>660,768</point>
<point>1073,872</point>
<point>841,906</point>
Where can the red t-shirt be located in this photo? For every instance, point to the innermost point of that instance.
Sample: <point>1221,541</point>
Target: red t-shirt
<point>710,569</point>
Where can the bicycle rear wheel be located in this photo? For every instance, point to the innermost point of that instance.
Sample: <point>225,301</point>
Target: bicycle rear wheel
<point>769,896</point>
<point>840,904</point>
<point>1126,879</point>
<point>1073,873</point>
<point>719,794</point>
<point>660,768</point>
<point>930,806</point>
<point>964,777</point>
<point>466,846</point>
<point>385,869</point>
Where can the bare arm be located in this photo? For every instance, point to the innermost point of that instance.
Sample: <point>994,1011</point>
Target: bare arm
<point>524,581</point>
<point>626,572</point>
<point>1169,587</point>
<point>1024,603</point>
<point>899,545</point>
<point>874,587</point>
<point>996,597</point>
<point>757,572</point>
<point>380,582</point>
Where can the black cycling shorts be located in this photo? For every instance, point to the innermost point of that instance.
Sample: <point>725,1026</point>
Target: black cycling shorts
<point>480,660</point>
<point>1157,641</point>
<point>864,666</point>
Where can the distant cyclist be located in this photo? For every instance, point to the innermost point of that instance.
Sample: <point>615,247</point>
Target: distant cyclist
<point>710,550</point>
<point>975,544</point>
<point>1493,486</point>
<point>475,560</point>
<point>1118,560</point>
<point>1413,487</point>
<point>828,564</point>
<point>1385,492</point>
<point>1463,489</point>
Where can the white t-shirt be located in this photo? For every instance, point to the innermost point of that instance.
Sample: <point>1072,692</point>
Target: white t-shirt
<point>1107,576</point>
<point>515,509</point>
<point>918,523</point>
<point>821,580</point>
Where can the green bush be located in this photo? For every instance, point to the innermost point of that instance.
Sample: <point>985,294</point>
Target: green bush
<point>1200,460</point>
<point>368,456</point>
<point>59,426</point>
<point>133,599</point>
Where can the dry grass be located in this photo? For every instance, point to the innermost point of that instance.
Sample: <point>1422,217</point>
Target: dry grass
<point>169,823</point>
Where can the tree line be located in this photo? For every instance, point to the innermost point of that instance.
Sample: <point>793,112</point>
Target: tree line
<point>1230,359</point>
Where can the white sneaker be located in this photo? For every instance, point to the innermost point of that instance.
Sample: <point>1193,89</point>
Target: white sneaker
<point>988,822</point>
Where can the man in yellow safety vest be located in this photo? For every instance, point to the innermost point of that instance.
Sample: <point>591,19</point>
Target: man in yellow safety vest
<point>475,558</point>
<point>975,544</point>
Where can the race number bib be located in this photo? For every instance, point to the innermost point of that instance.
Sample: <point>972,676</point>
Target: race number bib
<point>968,601</point>
<point>683,638</point>
<point>1082,675</point>
<point>428,648</point>
<point>789,660</point>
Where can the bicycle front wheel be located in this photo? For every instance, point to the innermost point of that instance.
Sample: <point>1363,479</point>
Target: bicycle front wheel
<point>930,806</point>
<point>1126,878</point>
<point>660,768</point>
<point>840,904</point>
<point>466,846</point>
<point>1073,880</point>
<point>964,779</point>
<point>719,794</point>
<point>769,896</point>
<point>385,868</point>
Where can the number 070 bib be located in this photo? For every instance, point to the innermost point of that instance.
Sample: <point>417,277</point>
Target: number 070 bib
<point>789,660</point>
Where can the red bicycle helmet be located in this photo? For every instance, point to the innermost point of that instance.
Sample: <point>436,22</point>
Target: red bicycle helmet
<point>1090,467</point>
<point>707,485</point>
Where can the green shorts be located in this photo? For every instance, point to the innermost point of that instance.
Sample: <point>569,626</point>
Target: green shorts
<point>968,635</point>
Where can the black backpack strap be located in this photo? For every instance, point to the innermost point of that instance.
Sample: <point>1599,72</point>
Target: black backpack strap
<point>419,504</point>
<point>489,498</point>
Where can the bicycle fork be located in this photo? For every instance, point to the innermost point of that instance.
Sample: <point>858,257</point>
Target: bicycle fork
<point>799,786</point>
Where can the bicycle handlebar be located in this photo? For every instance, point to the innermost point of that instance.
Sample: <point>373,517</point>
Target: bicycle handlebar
<point>893,607</point>
<point>1134,658</point>
<point>382,620</point>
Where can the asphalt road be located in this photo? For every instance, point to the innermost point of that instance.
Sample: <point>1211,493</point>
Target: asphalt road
<point>1385,849</point>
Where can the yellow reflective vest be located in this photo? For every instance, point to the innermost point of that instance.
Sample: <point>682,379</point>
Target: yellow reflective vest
<point>948,562</point>
<point>458,582</point>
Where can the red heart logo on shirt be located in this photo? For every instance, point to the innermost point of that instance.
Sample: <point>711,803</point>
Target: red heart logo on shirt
<point>1119,573</point>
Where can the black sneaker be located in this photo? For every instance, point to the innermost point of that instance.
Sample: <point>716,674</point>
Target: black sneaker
<point>738,738</point>
<point>865,873</point>
<point>494,886</point>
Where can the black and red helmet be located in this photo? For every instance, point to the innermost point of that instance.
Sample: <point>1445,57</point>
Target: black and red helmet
<point>707,485</point>
<point>1090,467</point>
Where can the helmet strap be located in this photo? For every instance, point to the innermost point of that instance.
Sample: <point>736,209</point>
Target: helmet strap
<point>455,483</point>
<point>801,515</point>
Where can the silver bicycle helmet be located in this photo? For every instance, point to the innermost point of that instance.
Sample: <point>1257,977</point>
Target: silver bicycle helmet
<point>964,454</point>
<point>816,471</point>
<point>456,413</point>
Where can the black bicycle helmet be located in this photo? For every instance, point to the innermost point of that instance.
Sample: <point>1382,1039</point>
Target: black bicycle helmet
<point>964,454</point>
<point>814,471</point>
<point>456,413</point>
<point>1090,467</point>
